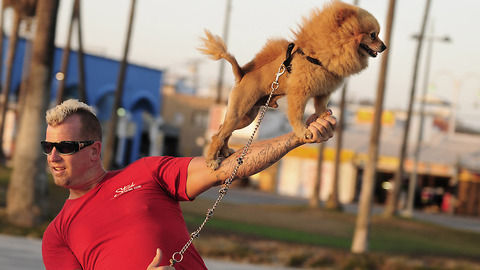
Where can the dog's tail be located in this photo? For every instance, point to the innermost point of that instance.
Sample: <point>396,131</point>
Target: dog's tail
<point>215,48</point>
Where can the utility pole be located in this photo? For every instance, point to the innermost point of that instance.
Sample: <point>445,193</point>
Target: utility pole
<point>392,199</point>
<point>226,27</point>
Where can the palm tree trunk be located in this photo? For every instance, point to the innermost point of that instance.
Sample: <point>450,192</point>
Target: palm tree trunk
<point>65,59</point>
<point>12,49</point>
<point>333,202</point>
<point>110,143</point>
<point>1,39</point>
<point>82,95</point>
<point>315,198</point>
<point>391,207</point>
<point>26,195</point>
<point>360,243</point>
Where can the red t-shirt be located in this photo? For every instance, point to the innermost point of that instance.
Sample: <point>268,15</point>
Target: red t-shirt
<point>122,221</point>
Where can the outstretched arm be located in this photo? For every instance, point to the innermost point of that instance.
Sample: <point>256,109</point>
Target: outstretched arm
<point>260,156</point>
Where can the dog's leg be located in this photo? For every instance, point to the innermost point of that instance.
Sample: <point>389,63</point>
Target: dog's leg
<point>296,110</point>
<point>225,150</point>
<point>219,146</point>
<point>247,119</point>
<point>320,104</point>
<point>212,155</point>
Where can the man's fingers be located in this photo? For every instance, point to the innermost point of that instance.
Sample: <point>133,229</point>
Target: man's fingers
<point>158,258</point>
<point>322,128</point>
<point>156,262</point>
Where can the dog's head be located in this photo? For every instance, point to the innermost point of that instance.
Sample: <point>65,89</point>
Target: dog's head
<point>342,36</point>
<point>367,31</point>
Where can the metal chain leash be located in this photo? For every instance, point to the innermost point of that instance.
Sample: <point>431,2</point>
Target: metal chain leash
<point>178,256</point>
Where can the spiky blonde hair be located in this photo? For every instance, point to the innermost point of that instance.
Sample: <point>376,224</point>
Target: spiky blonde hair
<point>91,127</point>
<point>57,114</point>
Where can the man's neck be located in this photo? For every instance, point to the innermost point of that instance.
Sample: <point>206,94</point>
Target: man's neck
<point>77,193</point>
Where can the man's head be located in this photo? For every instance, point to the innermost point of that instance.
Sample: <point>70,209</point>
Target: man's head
<point>76,167</point>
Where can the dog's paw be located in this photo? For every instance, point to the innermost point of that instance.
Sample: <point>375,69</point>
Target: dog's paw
<point>304,133</point>
<point>213,164</point>
<point>325,113</point>
<point>226,152</point>
<point>308,134</point>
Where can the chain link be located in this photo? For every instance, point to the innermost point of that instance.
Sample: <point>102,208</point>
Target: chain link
<point>178,256</point>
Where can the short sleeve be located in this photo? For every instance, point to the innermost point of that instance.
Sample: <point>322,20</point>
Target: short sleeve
<point>171,173</point>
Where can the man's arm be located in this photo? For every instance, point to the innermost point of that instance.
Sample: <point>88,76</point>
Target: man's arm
<point>56,254</point>
<point>260,156</point>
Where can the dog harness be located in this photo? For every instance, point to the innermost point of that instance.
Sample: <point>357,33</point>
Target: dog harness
<point>288,59</point>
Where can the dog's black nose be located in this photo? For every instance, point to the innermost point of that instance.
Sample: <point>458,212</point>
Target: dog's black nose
<point>383,48</point>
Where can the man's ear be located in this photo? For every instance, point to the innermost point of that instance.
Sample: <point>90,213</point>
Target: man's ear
<point>343,15</point>
<point>96,150</point>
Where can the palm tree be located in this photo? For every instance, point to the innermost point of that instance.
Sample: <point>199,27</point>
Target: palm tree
<point>362,226</point>
<point>12,49</point>
<point>66,57</point>
<point>5,4</point>
<point>21,9</point>
<point>26,195</point>
<point>392,199</point>
<point>315,198</point>
<point>333,202</point>
<point>82,95</point>
<point>110,142</point>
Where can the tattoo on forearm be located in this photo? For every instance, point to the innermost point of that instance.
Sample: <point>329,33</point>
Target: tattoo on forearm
<point>259,157</point>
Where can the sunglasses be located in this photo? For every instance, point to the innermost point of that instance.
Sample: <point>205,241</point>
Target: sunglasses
<point>64,147</point>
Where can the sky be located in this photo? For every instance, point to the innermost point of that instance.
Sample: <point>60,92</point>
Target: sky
<point>166,35</point>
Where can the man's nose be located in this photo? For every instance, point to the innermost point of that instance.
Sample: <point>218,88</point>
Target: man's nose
<point>54,155</point>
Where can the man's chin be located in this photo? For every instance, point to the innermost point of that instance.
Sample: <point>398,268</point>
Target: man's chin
<point>61,182</point>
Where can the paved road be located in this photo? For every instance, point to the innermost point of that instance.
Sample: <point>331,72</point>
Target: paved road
<point>18,253</point>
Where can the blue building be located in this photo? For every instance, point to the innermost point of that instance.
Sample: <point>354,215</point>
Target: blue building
<point>138,130</point>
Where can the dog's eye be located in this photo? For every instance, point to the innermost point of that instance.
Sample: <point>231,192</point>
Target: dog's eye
<point>373,36</point>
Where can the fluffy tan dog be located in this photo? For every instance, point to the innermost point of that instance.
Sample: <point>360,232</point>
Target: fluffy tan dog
<point>330,45</point>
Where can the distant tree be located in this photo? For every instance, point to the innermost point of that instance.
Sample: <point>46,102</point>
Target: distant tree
<point>26,195</point>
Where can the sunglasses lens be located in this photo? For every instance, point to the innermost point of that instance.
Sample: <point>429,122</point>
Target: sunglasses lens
<point>66,147</point>
<point>47,147</point>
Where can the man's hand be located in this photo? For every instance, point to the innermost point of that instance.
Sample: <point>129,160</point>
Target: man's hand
<point>156,262</point>
<point>322,128</point>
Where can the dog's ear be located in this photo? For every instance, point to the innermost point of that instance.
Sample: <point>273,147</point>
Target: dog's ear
<point>343,15</point>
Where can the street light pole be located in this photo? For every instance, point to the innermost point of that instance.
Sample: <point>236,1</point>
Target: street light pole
<point>414,176</point>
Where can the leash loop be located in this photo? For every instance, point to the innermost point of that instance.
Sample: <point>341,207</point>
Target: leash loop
<point>173,260</point>
<point>223,191</point>
<point>275,84</point>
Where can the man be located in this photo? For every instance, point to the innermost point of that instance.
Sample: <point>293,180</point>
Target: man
<point>118,219</point>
